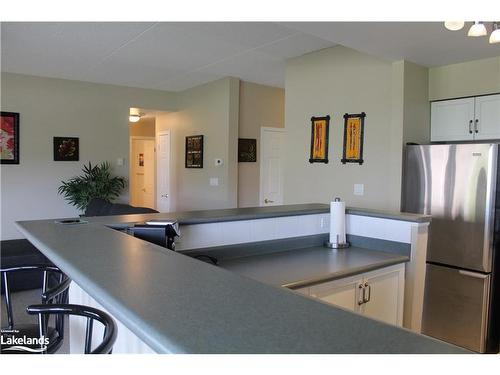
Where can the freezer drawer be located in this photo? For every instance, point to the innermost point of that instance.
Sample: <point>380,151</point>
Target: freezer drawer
<point>456,306</point>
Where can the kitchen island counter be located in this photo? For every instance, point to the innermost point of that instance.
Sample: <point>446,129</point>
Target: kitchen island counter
<point>177,304</point>
<point>250,213</point>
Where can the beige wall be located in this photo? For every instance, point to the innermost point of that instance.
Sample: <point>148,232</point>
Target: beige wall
<point>416,120</point>
<point>339,80</point>
<point>97,114</point>
<point>465,79</point>
<point>210,110</point>
<point>259,106</point>
<point>145,127</point>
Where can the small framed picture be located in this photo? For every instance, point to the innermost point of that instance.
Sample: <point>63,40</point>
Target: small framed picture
<point>194,151</point>
<point>354,128</point>
<point>9,137</point>
<point>66,149</point>
<point>319,139</point>
<point>247,150</point>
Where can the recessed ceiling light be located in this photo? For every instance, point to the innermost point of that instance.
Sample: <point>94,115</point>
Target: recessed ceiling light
<point>454,25</point>
<point>478,29</point>
<point>134,118</point>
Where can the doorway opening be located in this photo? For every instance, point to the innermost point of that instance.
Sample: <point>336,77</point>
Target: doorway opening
<point>149,155</point>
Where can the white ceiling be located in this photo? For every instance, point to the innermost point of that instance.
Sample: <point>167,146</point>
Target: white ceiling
<point>176,56</point>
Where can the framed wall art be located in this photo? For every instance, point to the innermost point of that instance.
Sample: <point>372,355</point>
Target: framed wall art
<point>9,137</point>
<point>66,149</point>
<point>319,139</point>
<point>194,151</point>
<point>247,150</point>
<point>354,127</point>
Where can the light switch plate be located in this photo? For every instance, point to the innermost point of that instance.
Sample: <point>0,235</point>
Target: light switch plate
<point>214,181</point>
<point>359,189</point>
<point>119,162</point>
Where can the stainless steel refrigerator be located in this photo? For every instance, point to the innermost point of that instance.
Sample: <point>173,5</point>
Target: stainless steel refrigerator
<point>457,185</point>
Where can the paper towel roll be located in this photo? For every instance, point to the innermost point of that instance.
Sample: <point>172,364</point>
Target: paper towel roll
<point>337,222</point>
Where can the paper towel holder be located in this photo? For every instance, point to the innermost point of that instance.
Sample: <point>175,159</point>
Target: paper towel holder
<point>337,245</point>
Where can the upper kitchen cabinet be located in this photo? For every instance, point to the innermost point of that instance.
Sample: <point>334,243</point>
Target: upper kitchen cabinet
<point>487,121</point>
<point>468,119</point>
<point>452,120</point>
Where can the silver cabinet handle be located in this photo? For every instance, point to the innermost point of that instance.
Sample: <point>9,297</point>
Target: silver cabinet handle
<point>361,295</point>
<point>369,289</point>
<point>268,201</point>
<point>473,274</point>
<point>470,127</point>
<point>475,126</point>
<point>164,195</point>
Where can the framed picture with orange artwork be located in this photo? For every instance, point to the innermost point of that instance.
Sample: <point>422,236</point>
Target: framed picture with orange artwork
<point>354,128</point>
<point>319,139</point>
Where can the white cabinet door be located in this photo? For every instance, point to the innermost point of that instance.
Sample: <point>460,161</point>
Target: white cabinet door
<point>378,294</point>
<point>343,293</point>
<point>487,110</point>
<point>452,120</point>
<point>384,292</point>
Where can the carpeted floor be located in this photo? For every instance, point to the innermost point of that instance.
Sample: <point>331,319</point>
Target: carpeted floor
<point>20,300</point>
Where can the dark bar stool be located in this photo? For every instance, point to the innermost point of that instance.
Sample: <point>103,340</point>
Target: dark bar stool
<point>54,291</point>
<point>92,314</point>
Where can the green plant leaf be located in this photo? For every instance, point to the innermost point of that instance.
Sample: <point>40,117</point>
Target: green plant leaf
<point>95,182</point>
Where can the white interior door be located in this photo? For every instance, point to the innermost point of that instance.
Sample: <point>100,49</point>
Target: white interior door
<point>163,198</point>
<point>272,158</point>
<point>142,184</point>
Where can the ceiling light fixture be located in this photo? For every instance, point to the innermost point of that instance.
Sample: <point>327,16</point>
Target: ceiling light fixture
<point>477,29</point>
<point>134,118</point>
<point>495,35</point>
<point>454,25</point>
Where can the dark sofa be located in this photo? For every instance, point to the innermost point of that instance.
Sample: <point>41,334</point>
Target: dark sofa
<point>101,207</point>
<point>15,253</point>
<point>21,252</point>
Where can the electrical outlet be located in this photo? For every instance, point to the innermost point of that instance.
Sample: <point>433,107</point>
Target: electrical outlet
<point>214,181</point>
<point>359,189</point>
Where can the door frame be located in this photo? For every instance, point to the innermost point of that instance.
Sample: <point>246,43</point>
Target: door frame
<point>263,130</point>
<point>133,138</point>
<point>169,180</point>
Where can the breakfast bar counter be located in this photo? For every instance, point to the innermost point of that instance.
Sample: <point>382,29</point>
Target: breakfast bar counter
<point>177,304</point>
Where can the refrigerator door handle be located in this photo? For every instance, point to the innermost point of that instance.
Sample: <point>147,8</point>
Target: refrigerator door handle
<point>489,217</point>
<point>473,274</point>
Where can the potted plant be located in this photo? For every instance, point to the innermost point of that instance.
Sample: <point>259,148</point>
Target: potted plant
<point>95,182</point>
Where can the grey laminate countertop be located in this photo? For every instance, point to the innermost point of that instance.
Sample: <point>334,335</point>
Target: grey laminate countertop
<point>250,213</point>
<point>178,304</point>
<point>302,267</point>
